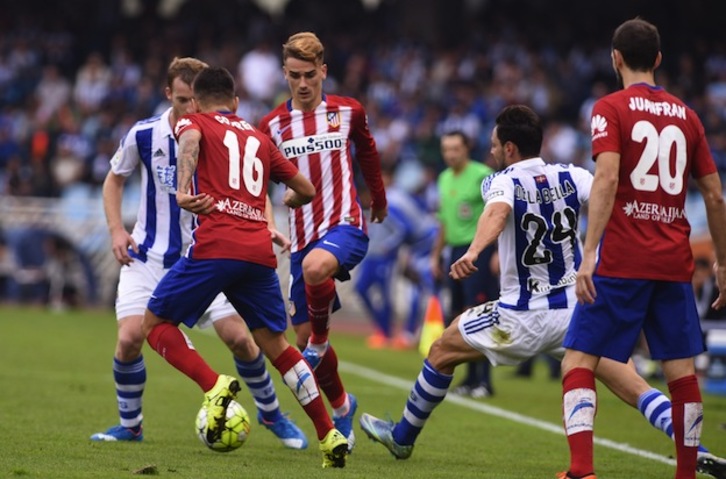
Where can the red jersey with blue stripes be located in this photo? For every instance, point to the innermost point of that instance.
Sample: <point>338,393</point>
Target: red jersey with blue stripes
<point>320,144</point>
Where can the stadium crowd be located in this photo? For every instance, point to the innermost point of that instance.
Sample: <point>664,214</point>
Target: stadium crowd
<point>70,87</point>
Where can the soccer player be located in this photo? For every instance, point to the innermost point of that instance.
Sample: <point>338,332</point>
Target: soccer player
<point>409,226</point>
<point>647,143</point>
<point>317,133</point>
<point>532,209</point>
<point>460,205</point>
<point>161,233</point>
<point>228,164</point>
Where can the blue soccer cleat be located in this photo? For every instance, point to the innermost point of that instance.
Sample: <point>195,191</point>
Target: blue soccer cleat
<point>344,424</point>
<point>314,355</point>
<point>286,431</point>
<point>382,432</point>
<point>119,433</point>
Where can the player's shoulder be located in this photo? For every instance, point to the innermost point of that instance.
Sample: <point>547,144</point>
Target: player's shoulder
<point>338,100</point>
<point>147,123</point>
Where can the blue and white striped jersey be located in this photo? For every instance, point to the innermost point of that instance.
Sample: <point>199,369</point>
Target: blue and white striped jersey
<point>540,248</point>
<point>162,229</point>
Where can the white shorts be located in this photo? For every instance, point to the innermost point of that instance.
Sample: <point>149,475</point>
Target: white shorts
<point>508,337</point>
<point>138,280</point>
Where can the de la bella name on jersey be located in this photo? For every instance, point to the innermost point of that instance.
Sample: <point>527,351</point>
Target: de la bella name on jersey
<point>544,195</point>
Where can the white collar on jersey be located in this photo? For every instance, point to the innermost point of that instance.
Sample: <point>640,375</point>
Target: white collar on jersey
<point>529,162</point>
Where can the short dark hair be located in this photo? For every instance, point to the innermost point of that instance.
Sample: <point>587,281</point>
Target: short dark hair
<point>638,42</point>
<point>522,126</point>
<point>460,134</point>
<point>214,84</point>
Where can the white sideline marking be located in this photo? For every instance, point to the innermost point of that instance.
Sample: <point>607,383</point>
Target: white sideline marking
<point>379,377</point>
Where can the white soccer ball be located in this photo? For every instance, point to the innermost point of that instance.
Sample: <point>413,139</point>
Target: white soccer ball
<point>236,429</point>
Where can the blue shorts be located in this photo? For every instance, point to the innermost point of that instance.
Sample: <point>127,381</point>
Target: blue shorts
<point>665,311</point>
<point>347,243</point>
<point>190,286</point>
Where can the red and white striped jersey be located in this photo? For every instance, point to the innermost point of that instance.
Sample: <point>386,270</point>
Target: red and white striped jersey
<point>320,144</point>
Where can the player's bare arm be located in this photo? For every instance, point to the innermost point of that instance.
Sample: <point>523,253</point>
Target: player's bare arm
<point>710,186</point>
<point>488,228</point>
<point>300,191</point>
<point>277,237</point>
<point>188,158</point>
<point>602,198</point>
<point>121,240</point>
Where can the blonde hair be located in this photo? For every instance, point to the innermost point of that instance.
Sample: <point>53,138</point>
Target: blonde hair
<point>185,68</point>
<point>305,46</point>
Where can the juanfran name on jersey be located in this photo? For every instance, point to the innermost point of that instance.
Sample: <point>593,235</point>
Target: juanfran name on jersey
<point>306,145</point>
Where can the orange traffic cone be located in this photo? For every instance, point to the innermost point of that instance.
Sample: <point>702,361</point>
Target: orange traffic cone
<point>433,326</point>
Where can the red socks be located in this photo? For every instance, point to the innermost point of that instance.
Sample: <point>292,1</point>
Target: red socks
<point>687,410</point>
<point>579,402</point>
<point>173,345</point>
<point>298,376</point>
<point>320,302</point>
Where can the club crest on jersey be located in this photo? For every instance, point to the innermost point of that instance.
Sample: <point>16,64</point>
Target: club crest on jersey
<point>181,124</point>
<point>167,177</point>
<point>334,119</point>
<point>540,179</point>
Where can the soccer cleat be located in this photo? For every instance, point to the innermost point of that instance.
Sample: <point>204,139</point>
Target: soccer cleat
<point>334,447</point>
<point>119,433</point>
<point>566,475</point>
<point>382,431</point>
<point>711,465</point>
<point>286,431</point>
<point>313,356</point>
<point>216,401</point>
<point>480,392</point>
<point>344,424</point>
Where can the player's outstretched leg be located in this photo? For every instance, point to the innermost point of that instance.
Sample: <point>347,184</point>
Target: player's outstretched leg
<point>382,432</point>
<point>216,401</point>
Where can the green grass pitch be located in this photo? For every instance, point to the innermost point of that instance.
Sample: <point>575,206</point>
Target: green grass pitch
<point>56,389</point>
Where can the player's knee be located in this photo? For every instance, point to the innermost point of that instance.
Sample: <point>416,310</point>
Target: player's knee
<point>242,346</point>
<point>128,347</point>
<point>318,269</point>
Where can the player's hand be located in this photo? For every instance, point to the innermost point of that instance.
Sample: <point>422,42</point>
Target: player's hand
<point>291,199</point>
<point>201,204</point>
<point>280,240</point>
<point>584,286</point>
<point>464,266</point>
<point>121,241</point>
<point>378,215</point>
<point>720,273</point>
